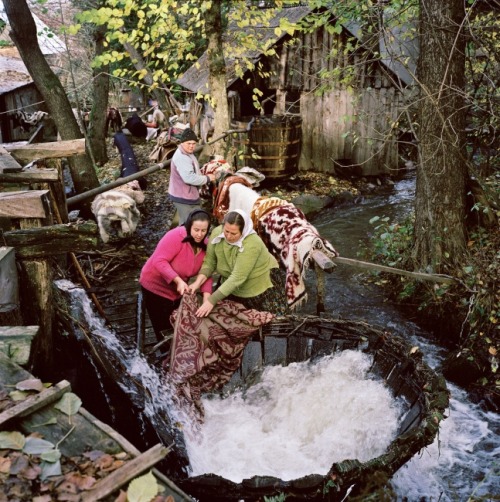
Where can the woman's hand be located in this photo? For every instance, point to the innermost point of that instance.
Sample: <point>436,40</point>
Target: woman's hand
<point>198,282</point>
<point>182,287</point>
<point>205,309</point>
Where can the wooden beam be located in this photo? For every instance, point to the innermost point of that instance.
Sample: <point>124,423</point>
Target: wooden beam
<point>52,150</point>
<point>33,175</point>
<point>41,242</point>
<point>7,162</point>
<point>35,402</point>
<point>421,276</point>
<point>126,473</point>
<point>25,204</point>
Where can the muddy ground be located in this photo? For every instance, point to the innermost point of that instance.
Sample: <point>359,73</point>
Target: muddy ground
<point>157,211</point>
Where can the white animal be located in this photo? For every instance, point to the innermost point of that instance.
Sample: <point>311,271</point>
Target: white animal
<point>116,211</point>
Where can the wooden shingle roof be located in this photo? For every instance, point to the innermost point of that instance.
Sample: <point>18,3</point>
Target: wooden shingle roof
<point>195,78</point>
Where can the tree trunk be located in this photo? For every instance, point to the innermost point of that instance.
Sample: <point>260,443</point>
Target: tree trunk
<point>217,74</point>
<point>24,34</point>
<point>139,64</point>
<point>440,232</point>
<point>97,133</point>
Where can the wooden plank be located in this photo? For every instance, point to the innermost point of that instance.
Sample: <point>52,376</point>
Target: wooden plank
<point>53,150</point>
<point>15,342</point>
<point>35,402</point>
<point>132,450</point>
<point>124,474</point>
<point>25,204</point>
<point>7,162</point>
<point>34,175</point>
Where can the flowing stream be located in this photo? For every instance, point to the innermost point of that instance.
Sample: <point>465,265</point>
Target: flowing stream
<point>247,438</point>
<point>464,460</point>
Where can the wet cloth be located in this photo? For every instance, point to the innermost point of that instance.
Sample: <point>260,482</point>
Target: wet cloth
<point>206,351</point>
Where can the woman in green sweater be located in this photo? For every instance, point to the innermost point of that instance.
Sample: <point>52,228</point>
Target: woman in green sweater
<point>242,260</point>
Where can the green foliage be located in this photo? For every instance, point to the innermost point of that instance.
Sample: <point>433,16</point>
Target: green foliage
<point>474,301</point>
<point>278,498</point>
<point>170,36</point>
<point>391,240</point>
<point>482,89</point>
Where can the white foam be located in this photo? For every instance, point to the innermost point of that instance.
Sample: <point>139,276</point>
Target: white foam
<point>298,420</point>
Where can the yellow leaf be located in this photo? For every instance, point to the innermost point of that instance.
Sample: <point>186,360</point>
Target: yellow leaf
<point>493,351</point>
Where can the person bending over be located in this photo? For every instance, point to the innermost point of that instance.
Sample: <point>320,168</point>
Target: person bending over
<point>239,256</point>
<point>165,275</point>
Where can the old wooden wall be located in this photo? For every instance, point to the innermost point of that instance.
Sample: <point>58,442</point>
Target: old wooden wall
<point>347,120</point>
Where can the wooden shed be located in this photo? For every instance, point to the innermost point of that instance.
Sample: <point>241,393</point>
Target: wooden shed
<point>18,92</point>
<point>346,126</point>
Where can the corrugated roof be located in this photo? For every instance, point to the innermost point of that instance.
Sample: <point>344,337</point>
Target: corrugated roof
<point>49,42</point>
<point>13,73</point>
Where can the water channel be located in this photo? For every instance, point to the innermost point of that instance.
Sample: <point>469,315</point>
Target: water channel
<point>463,461</point>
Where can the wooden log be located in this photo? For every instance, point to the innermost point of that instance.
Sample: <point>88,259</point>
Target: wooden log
<point>130,448</point>
<point>422,276</point>
<point>124,474</point>
<point>34,175</point>
<point>7,162</point>
<point>53,150</point>
<point>52,240</point>
<point>25,204</point>
<point>322,261</point>
<point>15,342</point>
<point>35,402</point>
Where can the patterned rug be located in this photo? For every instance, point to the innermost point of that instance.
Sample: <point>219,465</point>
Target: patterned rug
<point>292,239</point>
<point>207,351</point>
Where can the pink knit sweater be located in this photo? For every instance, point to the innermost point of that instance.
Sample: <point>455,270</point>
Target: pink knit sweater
<point>170,259</point>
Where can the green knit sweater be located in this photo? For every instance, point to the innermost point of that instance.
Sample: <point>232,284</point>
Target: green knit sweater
<point>243,273</point>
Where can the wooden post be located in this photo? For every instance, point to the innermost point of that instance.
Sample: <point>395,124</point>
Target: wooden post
<point>10,314</point>
<point>320,288</point>
<point>57,192</point>
<point>32,208</point>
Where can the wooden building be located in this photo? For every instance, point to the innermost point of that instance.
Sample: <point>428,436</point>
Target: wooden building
<point>347,123</point>
<point>18,92</point>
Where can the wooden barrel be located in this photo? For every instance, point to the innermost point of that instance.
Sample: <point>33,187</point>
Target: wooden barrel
<point>271,145</point>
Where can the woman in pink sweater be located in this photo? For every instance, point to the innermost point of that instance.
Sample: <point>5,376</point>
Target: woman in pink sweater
<point>177,258</point>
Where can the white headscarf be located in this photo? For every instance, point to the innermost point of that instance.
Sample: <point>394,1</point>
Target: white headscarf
<point>247,230</point>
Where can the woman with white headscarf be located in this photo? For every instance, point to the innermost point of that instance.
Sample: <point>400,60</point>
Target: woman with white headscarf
<point>239,256</point>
